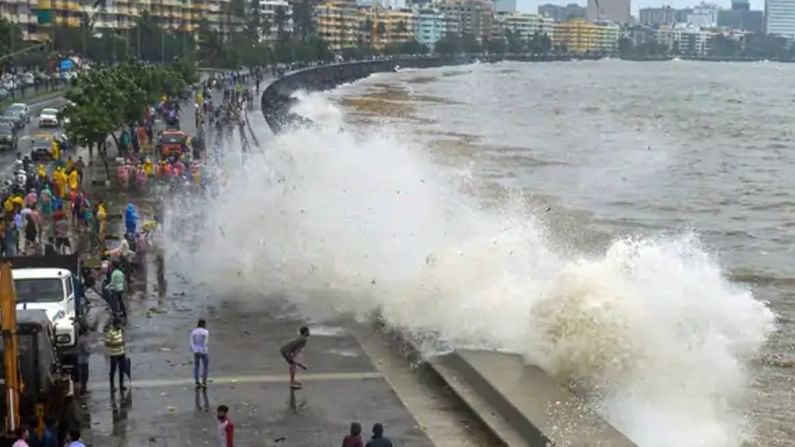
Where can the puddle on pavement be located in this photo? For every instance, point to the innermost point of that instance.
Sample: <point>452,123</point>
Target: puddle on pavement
<point>345,352</point>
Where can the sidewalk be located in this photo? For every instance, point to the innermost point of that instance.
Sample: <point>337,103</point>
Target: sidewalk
<point>247,373</point>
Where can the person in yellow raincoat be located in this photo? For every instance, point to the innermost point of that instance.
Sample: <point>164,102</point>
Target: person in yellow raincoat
<point>41,171</point>
<point>102,220</point>
<point>55,149</point>
<point>59,181</point>
<point>74,180</point>
<point>149,167</point>
<point>8,205</point>
<point>70,164</point>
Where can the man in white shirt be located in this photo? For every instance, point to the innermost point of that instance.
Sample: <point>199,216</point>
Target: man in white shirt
<point>199,339</point>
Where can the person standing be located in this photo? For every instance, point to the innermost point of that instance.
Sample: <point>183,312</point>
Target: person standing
<point>116,288</point>
<point>83,354</point>
<point>114,343</point>
<point>291,351</point>
<point>225,431</point>
<point>355,438</point>
<point>199,339</point>
<point>378,439</point>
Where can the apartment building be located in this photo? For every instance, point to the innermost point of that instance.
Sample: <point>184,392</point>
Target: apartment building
<point>525,25</point>
<point>431,26</point>
<point>278,14</point>
<point>580,36</point>
<point>340,23</point>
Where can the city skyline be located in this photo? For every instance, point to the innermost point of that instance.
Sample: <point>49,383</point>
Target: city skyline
<point>532,5</point>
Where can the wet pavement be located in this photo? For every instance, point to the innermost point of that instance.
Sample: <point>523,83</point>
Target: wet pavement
<point>247,373</point>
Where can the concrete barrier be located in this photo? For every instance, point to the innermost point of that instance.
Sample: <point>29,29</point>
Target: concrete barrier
<point>277,98</point>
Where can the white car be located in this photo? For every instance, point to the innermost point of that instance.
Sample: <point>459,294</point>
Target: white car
<point>48,118</point>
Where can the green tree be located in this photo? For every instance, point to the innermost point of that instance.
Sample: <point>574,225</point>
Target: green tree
<point>253,26</point>
<point>380,30</point>
<point>449,44</point>
<point>280,21</point>
<point>496,46</point>
<point>303,23</point>
<point>626,47</point>
<point>515,44</point>
<point>10,36</point>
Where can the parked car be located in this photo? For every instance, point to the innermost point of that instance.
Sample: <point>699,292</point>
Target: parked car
<point>18,113</point>
<point>48,118</point>
<point>8,136</point>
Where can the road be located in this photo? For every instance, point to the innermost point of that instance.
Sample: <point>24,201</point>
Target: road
<point>25,135</point>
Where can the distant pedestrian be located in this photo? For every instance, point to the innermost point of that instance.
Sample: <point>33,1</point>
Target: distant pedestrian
<point>225,433</point>
<point>199,339</point>
<point>22,434</point>
<point>378,439</point>
<point>114,343</point>
<point>354,439</point>
<point>291,352</point>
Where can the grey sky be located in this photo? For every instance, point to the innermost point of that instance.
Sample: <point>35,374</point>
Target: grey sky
<point>532,5</point>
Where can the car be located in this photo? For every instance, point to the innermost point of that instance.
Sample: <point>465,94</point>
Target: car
<point>172,142</point>
<point>18,113</point>
<point>40,146</point>
<point>8,136</point>
<point>48,118</point>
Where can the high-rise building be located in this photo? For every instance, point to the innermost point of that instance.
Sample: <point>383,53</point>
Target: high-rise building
<point>657,16</point>
<point>278,15</point>
<point>525,25</point>
<point>468,17</point>
<point>780,16</point>
<point>617,11</point>
<point>340,23</point>
<point>431,26</point>
<point>741,17</point>
<point>504,5</point>
<point>579,36</point>
<point>705,15</point>
<point>560,13</point>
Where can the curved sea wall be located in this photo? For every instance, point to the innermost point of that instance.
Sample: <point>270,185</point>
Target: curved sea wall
<point>277,100</point>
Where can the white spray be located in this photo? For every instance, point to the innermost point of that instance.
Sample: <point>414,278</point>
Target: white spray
<point>650,331</point>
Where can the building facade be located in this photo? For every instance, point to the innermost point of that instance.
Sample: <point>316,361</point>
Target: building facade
<point>560,13</point>
<point>665,15</point>
<point>431,26</point>
<point>780,18</point>
<point>278,14</point>
<point>525,25</point>
<point>339,23</point>
<point>617,11</point>
<point>580,36</point>
<point>37,17</point>
<point>705,15</point>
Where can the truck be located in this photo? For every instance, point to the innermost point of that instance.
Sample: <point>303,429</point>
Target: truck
<point>52,284</point>
<point>35,387</point>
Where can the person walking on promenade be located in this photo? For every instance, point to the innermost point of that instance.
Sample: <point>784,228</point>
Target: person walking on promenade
<point>354,439</point>
<point>225,431</point>
<point>116,288</point>
<point>199,339</point>
<point>291,351</point>
<point>378,439</point>
<point>83,354</point>
<point>114,343</point>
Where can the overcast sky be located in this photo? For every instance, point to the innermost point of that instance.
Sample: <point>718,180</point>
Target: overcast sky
<point>532,5</point>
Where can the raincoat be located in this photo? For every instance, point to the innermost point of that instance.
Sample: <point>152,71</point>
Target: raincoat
<point>46,201</point>
<point>149,167</point>
<point>102,219</point>
<point>41,171</point>
<point>74,180</point>
<point>131,218</point>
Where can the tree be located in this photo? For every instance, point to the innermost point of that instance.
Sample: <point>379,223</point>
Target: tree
<point>10,36</point>
<point>514,41</point>
<point>380,30</point>
<point>449,44</point>
<point>253,26</point>
<point>303,23</point>
<point>496,46</point>
<point>401,27</point>
<point>626,47</point>
<point>105,100</point>
<point>280,20</point>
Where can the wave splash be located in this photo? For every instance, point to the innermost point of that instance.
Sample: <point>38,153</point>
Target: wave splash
<point>650,332</point>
